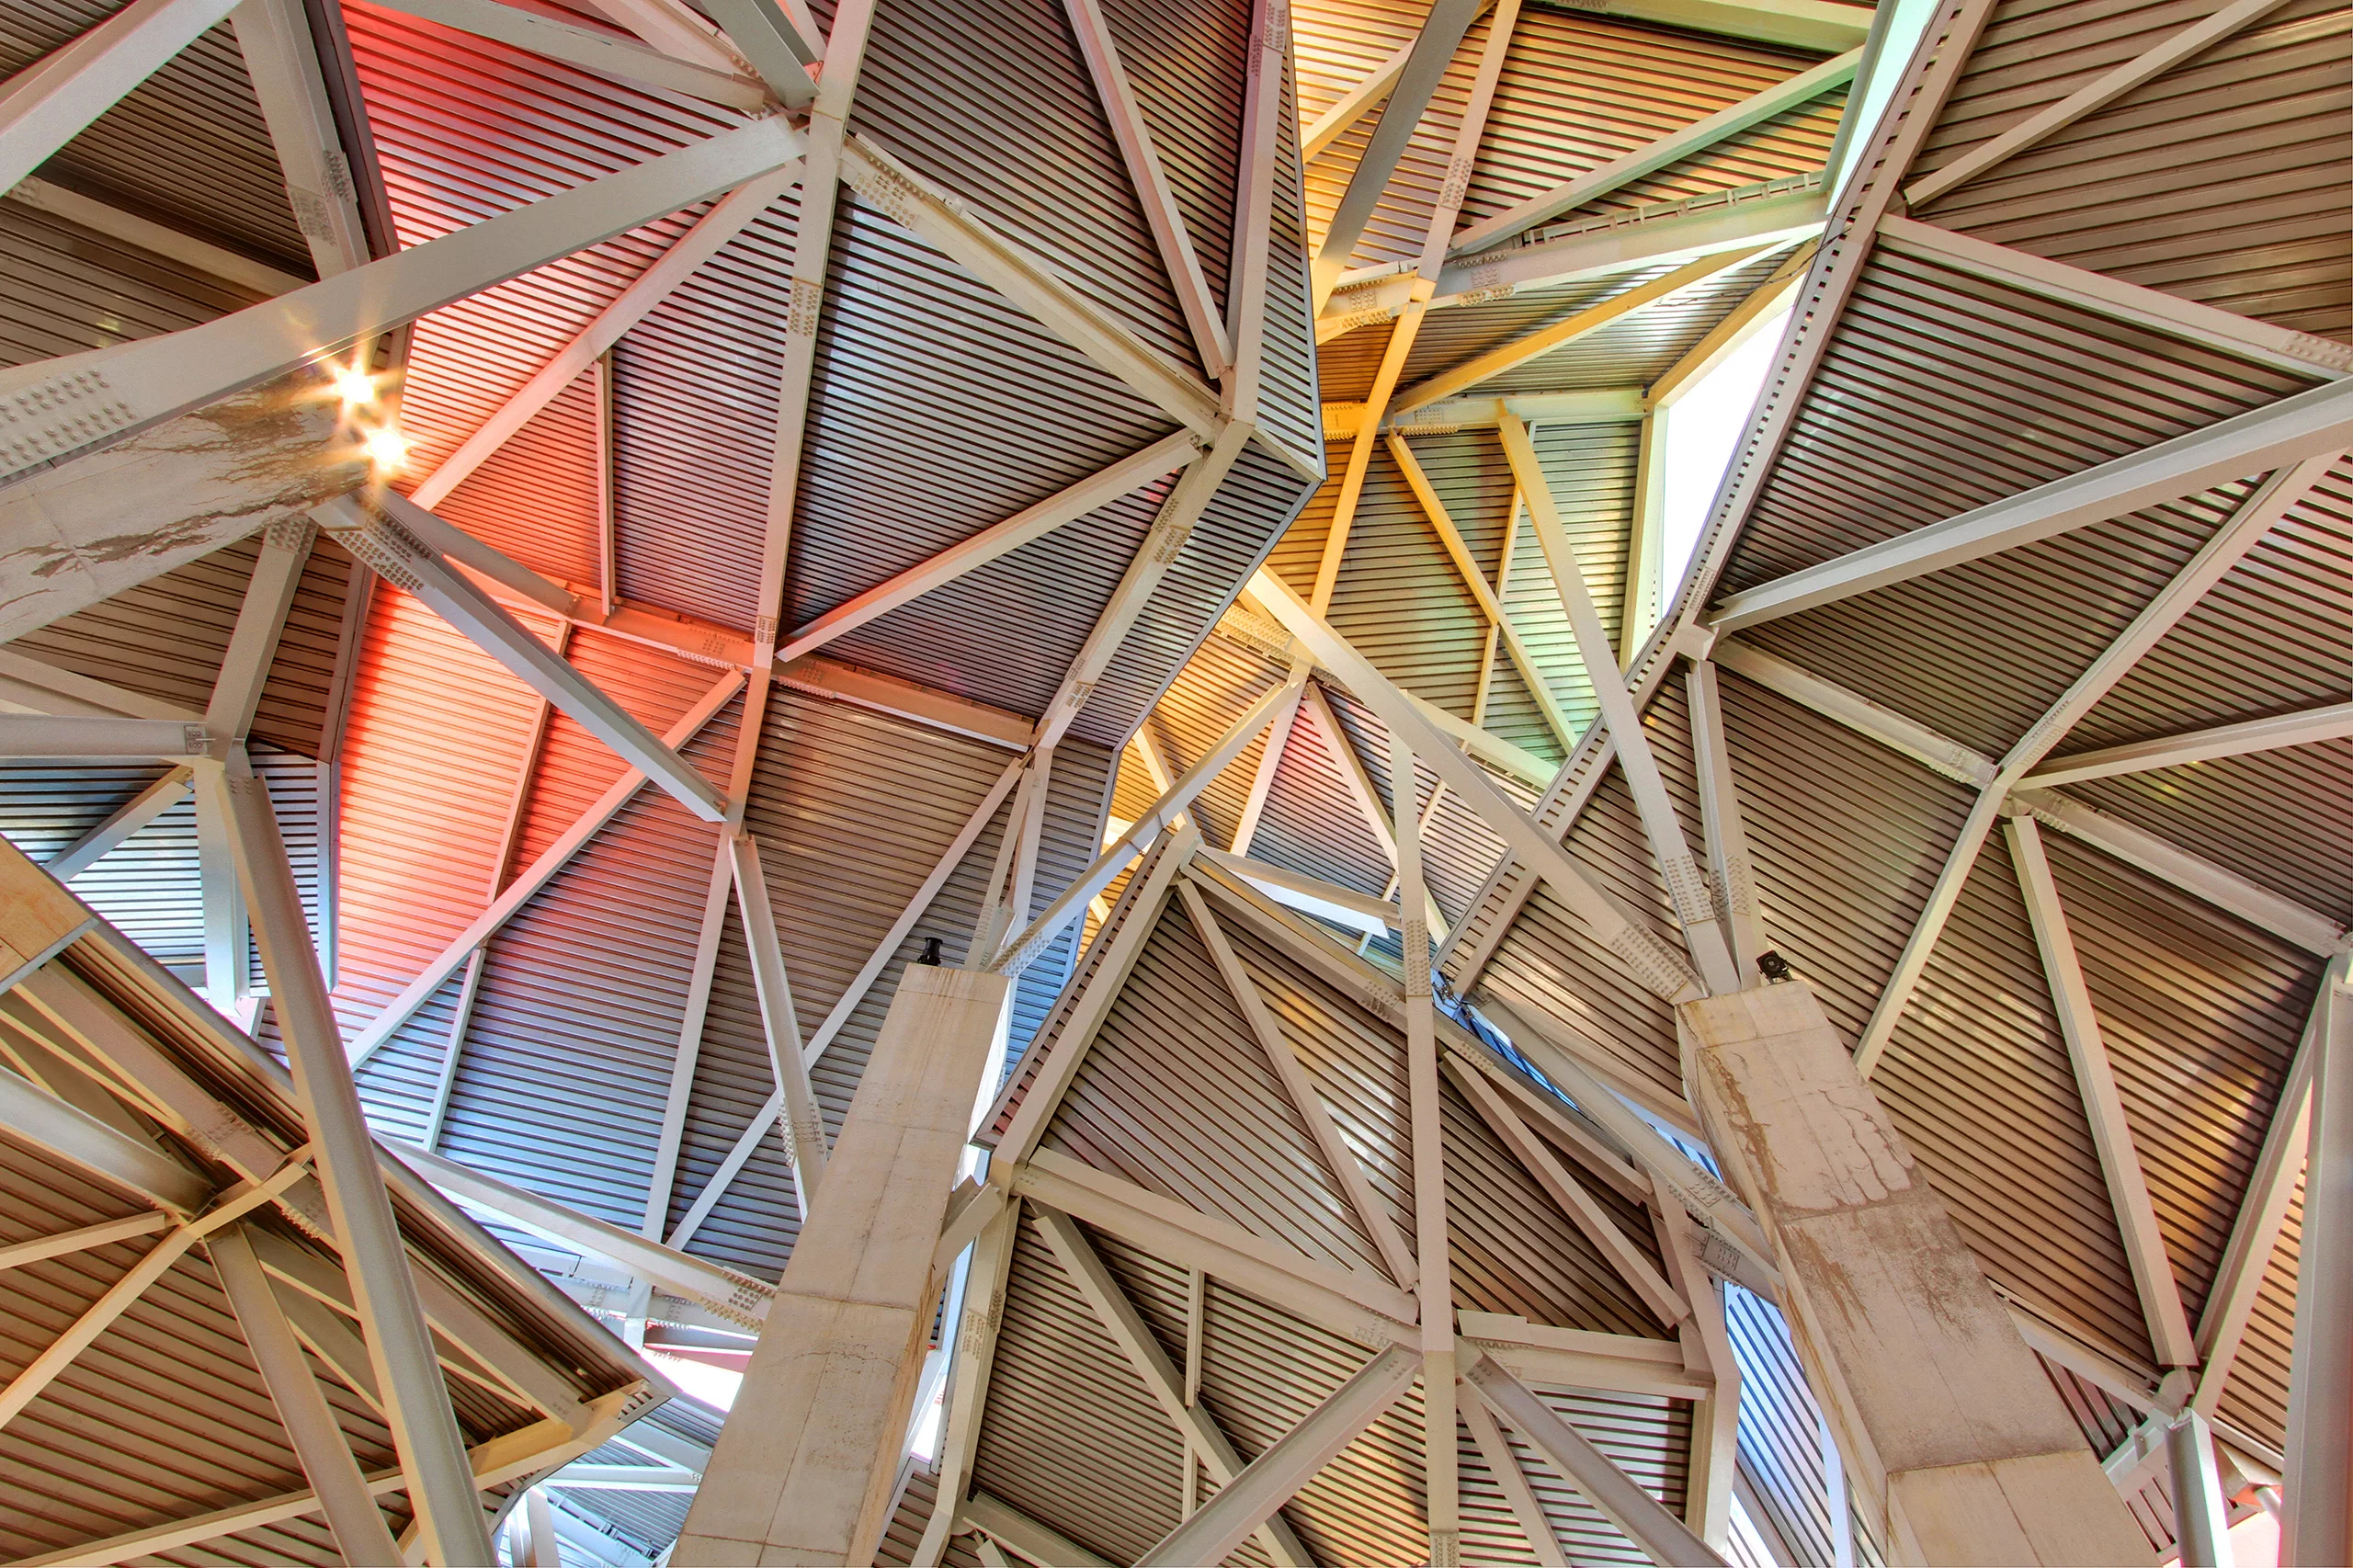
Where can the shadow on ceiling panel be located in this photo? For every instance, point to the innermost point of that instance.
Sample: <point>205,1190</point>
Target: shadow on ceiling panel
<point>1847,837</point>
<point>1409,197</point>
<point>925,426</point>
<point>1939,393</point>
<point>536,498</point>
<point>696,387</point>
<point>188,146</point>
<point>566,1065</point>
<point>1580,90</point>
<point>996,105</point>
<point>466,129</point>
<point>2275,634</point>
<point>574,767</point>
<point>1188,66</point>
<point>1979,651</point>
<point>1251,510</point>
<point>2269,816</point>
<point>1006,633</point>
<point>2201,1017</point>
<point>2248,139</point>
<point>433,754</point>
<point>1978,1082</point>
<point>1070,1434</point>
<point>1176,1095</point>
<point>1336,43</point>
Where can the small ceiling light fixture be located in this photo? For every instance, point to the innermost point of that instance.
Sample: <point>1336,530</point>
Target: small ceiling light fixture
<point>387,449</point>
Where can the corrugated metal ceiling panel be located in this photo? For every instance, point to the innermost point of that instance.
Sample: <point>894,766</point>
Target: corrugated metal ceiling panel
<point>536,498</point>
<point>1188,66</point>
<point>1401,219</point>
<point>1941,393</point>
<point>70,289</point>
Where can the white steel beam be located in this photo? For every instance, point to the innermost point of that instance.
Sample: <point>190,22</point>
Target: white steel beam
<point>2137,1217</point>
<point>1496,361</point>
<point>1608,406</point>
<point>1728,336</point>
<point>2289,435</point>
<point>805,1123</point>
<point>1022,1535</point>
<point>674,28</point>
<point>1025,945</point>
<point>2103,89</point>
<point>1226,1520</point>
<point>1735,875</point>
<point>261,620</point>
<point>972,1359</point>
<point>103,395</point>
<point>1270,758</point>
<point>2319,1524</point>
<point>1371,1211</point>
<point>1031,523</point>
<point>1409,94</point>
<point>601,53</point>
<point>775,46</point>
<point>383,540</point>
<point>82,1238</point>
<point>417,1407</point>
<point>1134,133</point>
<point>738,1298</point>
<point>33,735</point>
<point>2241,336</point>
<point>1643,1518</point>
<point>1686,885</point>
<point>283,59</point>
<point>852,995</point>
<point>1652,961</point>
<point>1503,1465</point>
<point>1276,881</point>
<point>1136,1340</point>
<point>909,200</point>
<point>1264,113</point>
<point>2330,722</point>
<point>352,1516</point>
<point>137,812</point>
<point>2238,1279</point>
<point>1653,156</point>
<point>49,102</point>
<point>728,217</point>
<point>90,1145</point>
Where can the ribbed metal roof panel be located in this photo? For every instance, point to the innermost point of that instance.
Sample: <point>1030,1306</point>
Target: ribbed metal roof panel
<point>2256,1398</point>
<point>695,394</point>
<point>187,145</point>
<point>1450,337</point>
<point>916,1499</point>
<point>433,753</point>
<point>536,498</point>
<point>844,850</point>
<point>1218,684</point>
<point>1400,601</point>
<point>1177,1095</point>
<point>1639,349</point>
<point>971,109</point>
<point>1311,822</point>
<point>2141,189</point>
<point>1940,392</point>
<point>1401,219</point>
<point>70,289</point>
<point>1188,65</point>
<point>1579,90</point>
<point>1336,43</point>
<point>1288,394</point>
<point>1935,655</point>
<point>566,1063</point>
<point>1251,509</point>
<point>1072,1436</point>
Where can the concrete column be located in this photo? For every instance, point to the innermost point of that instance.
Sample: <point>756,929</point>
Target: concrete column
<point>804,1470</point>
<point>1951,1431</point>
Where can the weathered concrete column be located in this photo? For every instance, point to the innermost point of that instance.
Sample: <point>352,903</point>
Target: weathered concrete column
<point>1950,1430</point>
<point>804,1470</point>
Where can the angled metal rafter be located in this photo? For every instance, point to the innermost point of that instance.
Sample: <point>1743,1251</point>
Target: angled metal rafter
<point>2255,517</point>
<point>1118,1317</point>
<point>142,808</point>
<point>282,60</point>
<point>2101,90</point>
<point>49,102</point>
<point>2304,727</point>
<point>146,381</point>
<point>728,218</point>
<point>1653,156</point>
<point>1270,759</point>
<point>2137,1217</point>
<point>523,888</point>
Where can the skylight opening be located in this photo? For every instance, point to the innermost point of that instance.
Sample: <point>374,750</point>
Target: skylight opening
<point>1703,426</point>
